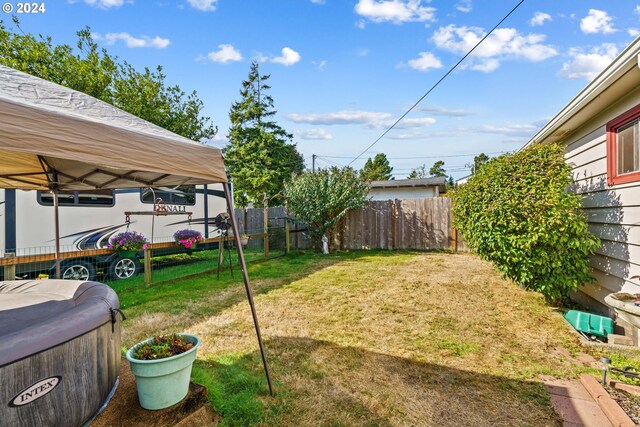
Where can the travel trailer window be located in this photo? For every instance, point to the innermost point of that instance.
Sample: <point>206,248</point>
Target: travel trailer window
<point>623,148</point>
<point>180,195</point>
<point>95,198</point>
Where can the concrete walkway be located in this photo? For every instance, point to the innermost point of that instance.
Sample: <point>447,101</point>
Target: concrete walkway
<point>574,404</point>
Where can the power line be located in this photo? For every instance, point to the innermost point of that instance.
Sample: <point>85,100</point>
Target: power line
<point>422,157</point>
<point>438,82</point>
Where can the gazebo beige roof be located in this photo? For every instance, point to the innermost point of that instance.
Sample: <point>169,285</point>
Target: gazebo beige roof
<point>55,138</point>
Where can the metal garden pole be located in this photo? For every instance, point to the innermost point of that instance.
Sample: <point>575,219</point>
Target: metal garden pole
<point>245,277</point>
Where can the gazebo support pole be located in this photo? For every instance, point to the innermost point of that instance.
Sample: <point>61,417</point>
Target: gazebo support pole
<point>56,219</point>
<point>245,277</point>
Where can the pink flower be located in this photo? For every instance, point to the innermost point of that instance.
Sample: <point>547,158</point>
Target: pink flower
<point>145,246</point>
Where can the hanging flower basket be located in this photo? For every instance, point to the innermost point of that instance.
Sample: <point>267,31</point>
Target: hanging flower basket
<point>187,238</point>
<point>244,240</point>
<point>128,243</point>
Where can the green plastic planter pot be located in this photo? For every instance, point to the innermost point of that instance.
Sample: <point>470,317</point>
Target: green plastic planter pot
<point>127,254</point>
<point>164,382</point>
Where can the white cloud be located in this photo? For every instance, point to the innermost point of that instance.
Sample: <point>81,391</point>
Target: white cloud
<point>396,11</point>
<point>636,10</point>
<point>597,21</point>
<point>588,64</point>
<point>314,134</point>
<point>633,32</point>
<point>203,5</point>
<point>361,24</point>
<point>288,57</point>
<point>339,117</point>
<point>362,52</point>
<point>410,123</point>
<point>372,119</point>
<point>317,1</point>
<point>448,112</point>
<point>514,130</point>
<point>486,65</point>
<point>502,44</point>
<point>104,4</point>
<point>425,61</point>
<point>539,18</point>
<point>133,42</point>
<point>225,53</point>
<point>321,65</point>
<point>464,6</point>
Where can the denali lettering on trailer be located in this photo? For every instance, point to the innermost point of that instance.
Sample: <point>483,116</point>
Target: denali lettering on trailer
<point>175,208</point>
<point>160,207</point>
<point>35,391</point>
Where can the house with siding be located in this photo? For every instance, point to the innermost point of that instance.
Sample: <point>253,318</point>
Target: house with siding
<point>407,188</point>
<point>600,129</point>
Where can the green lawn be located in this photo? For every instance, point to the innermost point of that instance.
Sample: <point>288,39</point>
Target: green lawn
<point>367,338</point>
<point>177,266</point>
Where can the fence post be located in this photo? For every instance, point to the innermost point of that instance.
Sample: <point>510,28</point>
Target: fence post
<point>287,236</point>
<point>454,240</point>
<point>394,214</point>
<point>266,226</point>
<point>147,267</point>
<point>10,270</point>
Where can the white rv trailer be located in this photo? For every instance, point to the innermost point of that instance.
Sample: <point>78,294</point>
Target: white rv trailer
<point>89,218</point>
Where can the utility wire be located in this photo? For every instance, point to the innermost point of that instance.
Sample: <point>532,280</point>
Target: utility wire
<point>423,157</point>
<point>438,82</point>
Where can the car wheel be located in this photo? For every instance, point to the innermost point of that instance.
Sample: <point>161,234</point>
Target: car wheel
<point>123,268</point>
<point>78,270</point>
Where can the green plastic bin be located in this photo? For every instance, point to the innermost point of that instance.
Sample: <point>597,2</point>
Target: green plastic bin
<point>589,323</point>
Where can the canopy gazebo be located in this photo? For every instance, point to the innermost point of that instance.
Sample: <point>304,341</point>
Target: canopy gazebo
<point>57,139</point>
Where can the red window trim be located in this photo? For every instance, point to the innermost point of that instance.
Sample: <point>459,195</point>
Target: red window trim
<point>612,148</point>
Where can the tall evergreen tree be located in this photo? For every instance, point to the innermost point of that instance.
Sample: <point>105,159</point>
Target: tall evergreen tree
<point>377,169</point>
<point>438,169</point>
<point>259,157</point>
<point>478,162</point>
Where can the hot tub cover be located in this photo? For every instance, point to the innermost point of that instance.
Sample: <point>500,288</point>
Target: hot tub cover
<point>36,315</point>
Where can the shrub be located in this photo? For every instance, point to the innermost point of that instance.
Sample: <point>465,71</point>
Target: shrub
<point>516,212</point>
<point>128,241</point>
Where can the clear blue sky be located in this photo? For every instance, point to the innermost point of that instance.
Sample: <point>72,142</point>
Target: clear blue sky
<point>342,70</point>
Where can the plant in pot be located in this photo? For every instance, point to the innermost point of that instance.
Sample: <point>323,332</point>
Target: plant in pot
<point>187,238</point>
<point>128,243</point>
<point>162,368</point>
<point>244,240</point>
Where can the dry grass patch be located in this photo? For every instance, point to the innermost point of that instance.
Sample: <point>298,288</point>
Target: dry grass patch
<point>401,339</point>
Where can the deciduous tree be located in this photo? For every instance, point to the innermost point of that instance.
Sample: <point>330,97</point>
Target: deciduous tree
<point>93,71</point>
<point>418,173</point>
<point>324,198</point>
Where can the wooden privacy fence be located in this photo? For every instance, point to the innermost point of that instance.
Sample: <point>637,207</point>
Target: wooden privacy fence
<point>401,224</point>
<point>391,224</point>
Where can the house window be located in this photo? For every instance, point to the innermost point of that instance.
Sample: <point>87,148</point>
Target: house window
<point>623,148</point>
<point>94,198</point>
<point>180,195</point>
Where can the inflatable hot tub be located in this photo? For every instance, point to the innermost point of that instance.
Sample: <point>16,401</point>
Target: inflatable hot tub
<point>59,351</point>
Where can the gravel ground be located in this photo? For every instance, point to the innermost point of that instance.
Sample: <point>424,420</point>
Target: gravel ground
<point>627,401</point>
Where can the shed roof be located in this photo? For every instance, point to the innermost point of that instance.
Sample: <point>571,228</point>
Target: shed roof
<point>403,183</point>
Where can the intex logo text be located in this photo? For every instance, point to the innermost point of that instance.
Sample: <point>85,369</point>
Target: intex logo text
<point>35,391</point>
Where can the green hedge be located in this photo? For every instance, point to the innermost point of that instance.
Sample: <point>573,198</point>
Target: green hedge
<point>518,213</point>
